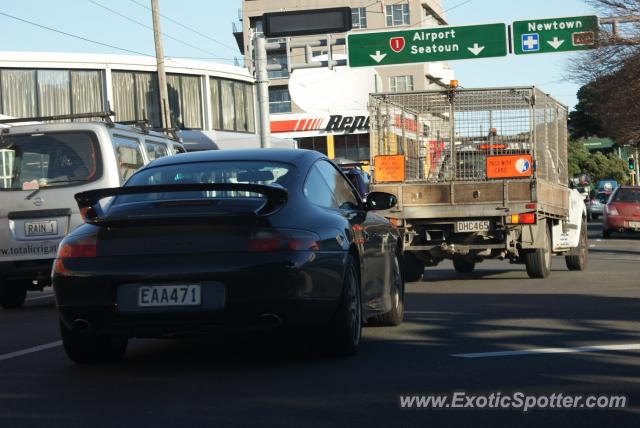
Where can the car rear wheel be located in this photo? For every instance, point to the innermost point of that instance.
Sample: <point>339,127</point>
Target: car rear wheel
<point>413,268</point>
<point>538,261</point>
<point>13,293</point>
<point>463,265</point>
<point>346,327</point>
<point>578,261</point>
<point>396,314</point>
<point>86,347</point>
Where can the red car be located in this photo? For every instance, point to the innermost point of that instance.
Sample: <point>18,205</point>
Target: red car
<point>622,213</point>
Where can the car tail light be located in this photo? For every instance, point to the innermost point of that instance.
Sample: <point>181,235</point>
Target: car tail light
<point>525,218</point>
<point>266,240</point>
<point>611,210</point>
<point>83,246</point>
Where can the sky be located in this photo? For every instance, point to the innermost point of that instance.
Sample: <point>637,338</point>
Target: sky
<point>547,71</point>
<point>204,27</point>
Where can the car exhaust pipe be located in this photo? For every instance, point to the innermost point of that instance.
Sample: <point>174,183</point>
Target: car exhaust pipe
<point>81,325</point>
<point>271,320</point>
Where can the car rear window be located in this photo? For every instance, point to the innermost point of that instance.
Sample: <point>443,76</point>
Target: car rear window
<point>52,159</point>
<point>627,195</point>
<point>249,172</point>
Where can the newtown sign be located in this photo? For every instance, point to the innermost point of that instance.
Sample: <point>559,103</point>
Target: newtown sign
<point>427,45</point>
<point>555,35</point>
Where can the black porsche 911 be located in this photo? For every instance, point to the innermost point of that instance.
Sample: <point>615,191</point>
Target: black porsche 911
<point>227,239</point>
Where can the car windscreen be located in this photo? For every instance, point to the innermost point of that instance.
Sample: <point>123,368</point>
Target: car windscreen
<point>627,195</point>
<point>33,161</point>
<point>602,197</point>
<point>248,172</point>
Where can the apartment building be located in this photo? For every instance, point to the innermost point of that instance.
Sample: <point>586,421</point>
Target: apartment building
<point>335,128</point>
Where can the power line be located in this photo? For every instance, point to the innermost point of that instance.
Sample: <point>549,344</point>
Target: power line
<point>128,18</point>
<point>444,11</point>
<point>188,28</point>
<point>73,35</point>
<point>457,6</point>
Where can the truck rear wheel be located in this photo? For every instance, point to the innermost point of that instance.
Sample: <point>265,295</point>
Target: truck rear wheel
<point>538,261</point>
<point>578,261</point>
<point>463,264</point>
<point>413,268</point>
<point>12,293</point>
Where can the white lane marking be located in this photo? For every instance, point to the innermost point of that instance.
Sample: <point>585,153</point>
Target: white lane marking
<point>27,351</point>
<point>39,297</point>
<point>593,348</point>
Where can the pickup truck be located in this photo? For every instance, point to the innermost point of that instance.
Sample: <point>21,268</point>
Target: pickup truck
<point>478,174</point>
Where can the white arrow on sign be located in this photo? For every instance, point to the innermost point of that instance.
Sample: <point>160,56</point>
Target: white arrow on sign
<point>556,43</point>
<point>476,49</point>
<point>378,56</point>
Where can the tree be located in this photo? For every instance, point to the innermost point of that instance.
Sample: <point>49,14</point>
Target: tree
<point>596,166</point>
<point>583,122</point>
<point>610,75</point>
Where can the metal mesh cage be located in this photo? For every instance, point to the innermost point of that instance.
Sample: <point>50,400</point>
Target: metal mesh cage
<point>447,135</point>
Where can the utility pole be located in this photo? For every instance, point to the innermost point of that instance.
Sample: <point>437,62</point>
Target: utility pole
<point>262,81</point>
<point>165,112</point>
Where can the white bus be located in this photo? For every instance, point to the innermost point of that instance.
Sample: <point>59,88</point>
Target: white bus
<point>212,104</point>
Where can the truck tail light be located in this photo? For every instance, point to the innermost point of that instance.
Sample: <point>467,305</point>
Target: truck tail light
<point>525,218</point>
<point>396,222</point>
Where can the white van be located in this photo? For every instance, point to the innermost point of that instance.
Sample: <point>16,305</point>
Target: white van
<point>42,167</point>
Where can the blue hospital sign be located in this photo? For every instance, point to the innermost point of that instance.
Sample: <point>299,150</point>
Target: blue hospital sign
<point>530,42</point>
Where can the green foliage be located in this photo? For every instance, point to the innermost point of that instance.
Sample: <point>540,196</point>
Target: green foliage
<point>596,165</point>
<point>583,122</point>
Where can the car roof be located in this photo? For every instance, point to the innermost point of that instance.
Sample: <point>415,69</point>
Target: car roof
<point>293,156</point>
<point>33,127</point>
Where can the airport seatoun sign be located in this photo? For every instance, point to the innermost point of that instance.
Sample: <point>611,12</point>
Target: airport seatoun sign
<point>427,45</point>
<point>307,22</point>
<point>549,35</point>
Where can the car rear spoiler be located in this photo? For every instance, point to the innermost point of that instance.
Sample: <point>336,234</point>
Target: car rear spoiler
<point>93,213</point>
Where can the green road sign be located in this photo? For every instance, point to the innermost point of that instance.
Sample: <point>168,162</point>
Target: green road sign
<point>426,45</point>
<point>536,36</point>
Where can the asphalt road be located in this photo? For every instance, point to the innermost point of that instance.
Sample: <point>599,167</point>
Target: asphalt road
<point>274,380</point>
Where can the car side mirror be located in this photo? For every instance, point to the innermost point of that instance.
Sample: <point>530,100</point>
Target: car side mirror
<point>380,201</point>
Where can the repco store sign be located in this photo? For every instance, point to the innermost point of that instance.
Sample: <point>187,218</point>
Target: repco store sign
<point>333,124</point>
<point>347,124</point>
